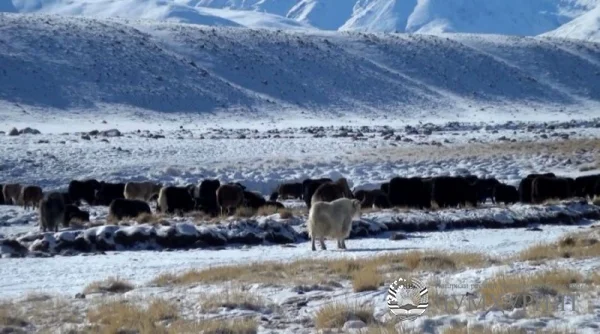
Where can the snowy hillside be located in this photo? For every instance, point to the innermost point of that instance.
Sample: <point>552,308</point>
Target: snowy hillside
<point>512,17</point>
<point>78,64</point>
<point>586,27</point>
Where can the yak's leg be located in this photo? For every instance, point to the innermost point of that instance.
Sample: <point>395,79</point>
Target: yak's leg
<point>312,239</point>
<point>322,241</point>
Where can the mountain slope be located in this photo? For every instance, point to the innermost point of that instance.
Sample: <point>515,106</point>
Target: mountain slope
<point>585,27</point>
<point>512,17</point>
<point>175,11</point>
<point>82,64</point>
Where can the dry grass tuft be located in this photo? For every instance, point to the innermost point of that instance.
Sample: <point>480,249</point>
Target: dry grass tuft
<point>147,218</point>
<point>12,316</point>
<point>335,315</point>
<point>124,316</point>
<point>366,279</point>
<point>581,245</point>
<point>462,329</point>
<point>232,299</point>
<point>217,326</point>
<point>109,285</point>
<point>309,271</point>
<point>284,213</point>
<point>538,293</point>
<point>244,212</point>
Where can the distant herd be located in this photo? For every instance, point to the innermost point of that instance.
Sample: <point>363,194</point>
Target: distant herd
<point>129,200</point>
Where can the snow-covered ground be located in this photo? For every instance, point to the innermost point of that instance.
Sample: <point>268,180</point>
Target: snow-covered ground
<point>261,107</point>
<point>511,17</point>
<point>23,275</point>
<point>71,71</point>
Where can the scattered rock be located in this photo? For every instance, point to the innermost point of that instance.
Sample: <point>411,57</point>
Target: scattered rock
<point>13,132</point>
<point>80,296</point>
<point>29,131</point>
<point>86,137</point>
<point>354,324</point>
<point>398,236</point>
<point>537,229</point>
<point>111,133</point>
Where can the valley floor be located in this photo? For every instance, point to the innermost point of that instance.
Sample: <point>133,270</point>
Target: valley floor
<point>289,288</point>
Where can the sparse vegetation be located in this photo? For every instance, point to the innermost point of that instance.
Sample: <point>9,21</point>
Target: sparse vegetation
<point>581,245</point>
<point>335,315</point>
<point>311,271</point>
<point>462,329</point>
<point>216,326</point>
<point>366,279</point>
<point>11,316</point>
<point>534,292</point>
<point>110,285</point>
<point>119,316</point>
<point>232,299</point>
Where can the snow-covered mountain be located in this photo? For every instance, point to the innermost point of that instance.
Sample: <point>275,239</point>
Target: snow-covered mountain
<point>586,27</point>
<point>509,17</point>
<point>83,64</point>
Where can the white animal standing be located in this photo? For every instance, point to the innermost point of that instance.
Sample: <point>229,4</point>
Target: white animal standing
<point>332,219</point>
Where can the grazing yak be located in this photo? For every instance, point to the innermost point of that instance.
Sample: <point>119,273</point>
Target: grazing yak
<point>375,198</point>
<point>585,186</point>
<point>206,200</point>
<point>127,208</point>
<point>83,190</point>
<point>174,199</point>
<point>504,193</point>
<point>331,191</point>
<point>450,192</point>
<point>332,219</point>
<point>253,200</point>
<point>73,212</point>
<point>67,198</point>
<point>290,190</point>
<point>52,212</point>
<point>485,189</point>
<point>230,197</point>
<point>31,196</point>
<point>385,187</point>
<point>414,192</point>
<point>12,193</point>
<point>525,187</point>
<point>109,192</point>
<point>143,191</point>
<point>411,192</point>
<point>545,188</point>
<point>309,186</point>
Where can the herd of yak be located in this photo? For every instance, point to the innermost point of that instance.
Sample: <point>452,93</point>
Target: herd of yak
<point>212,197</point>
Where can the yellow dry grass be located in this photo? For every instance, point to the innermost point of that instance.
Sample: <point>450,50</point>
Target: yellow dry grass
<point>232,299</point>
<point>559,148</point>
<point>462,329</point>
<point>109,285</point>
<point>11,315</point>
<point>122,315</point>
<point>335,315</point>
<point>538,293</point>
<point>579,245</point>
<point>314,271</point>
<point>367,279</point>
<point>216,326</point>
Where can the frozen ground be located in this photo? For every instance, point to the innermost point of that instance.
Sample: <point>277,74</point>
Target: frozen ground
<point>20,276</point>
